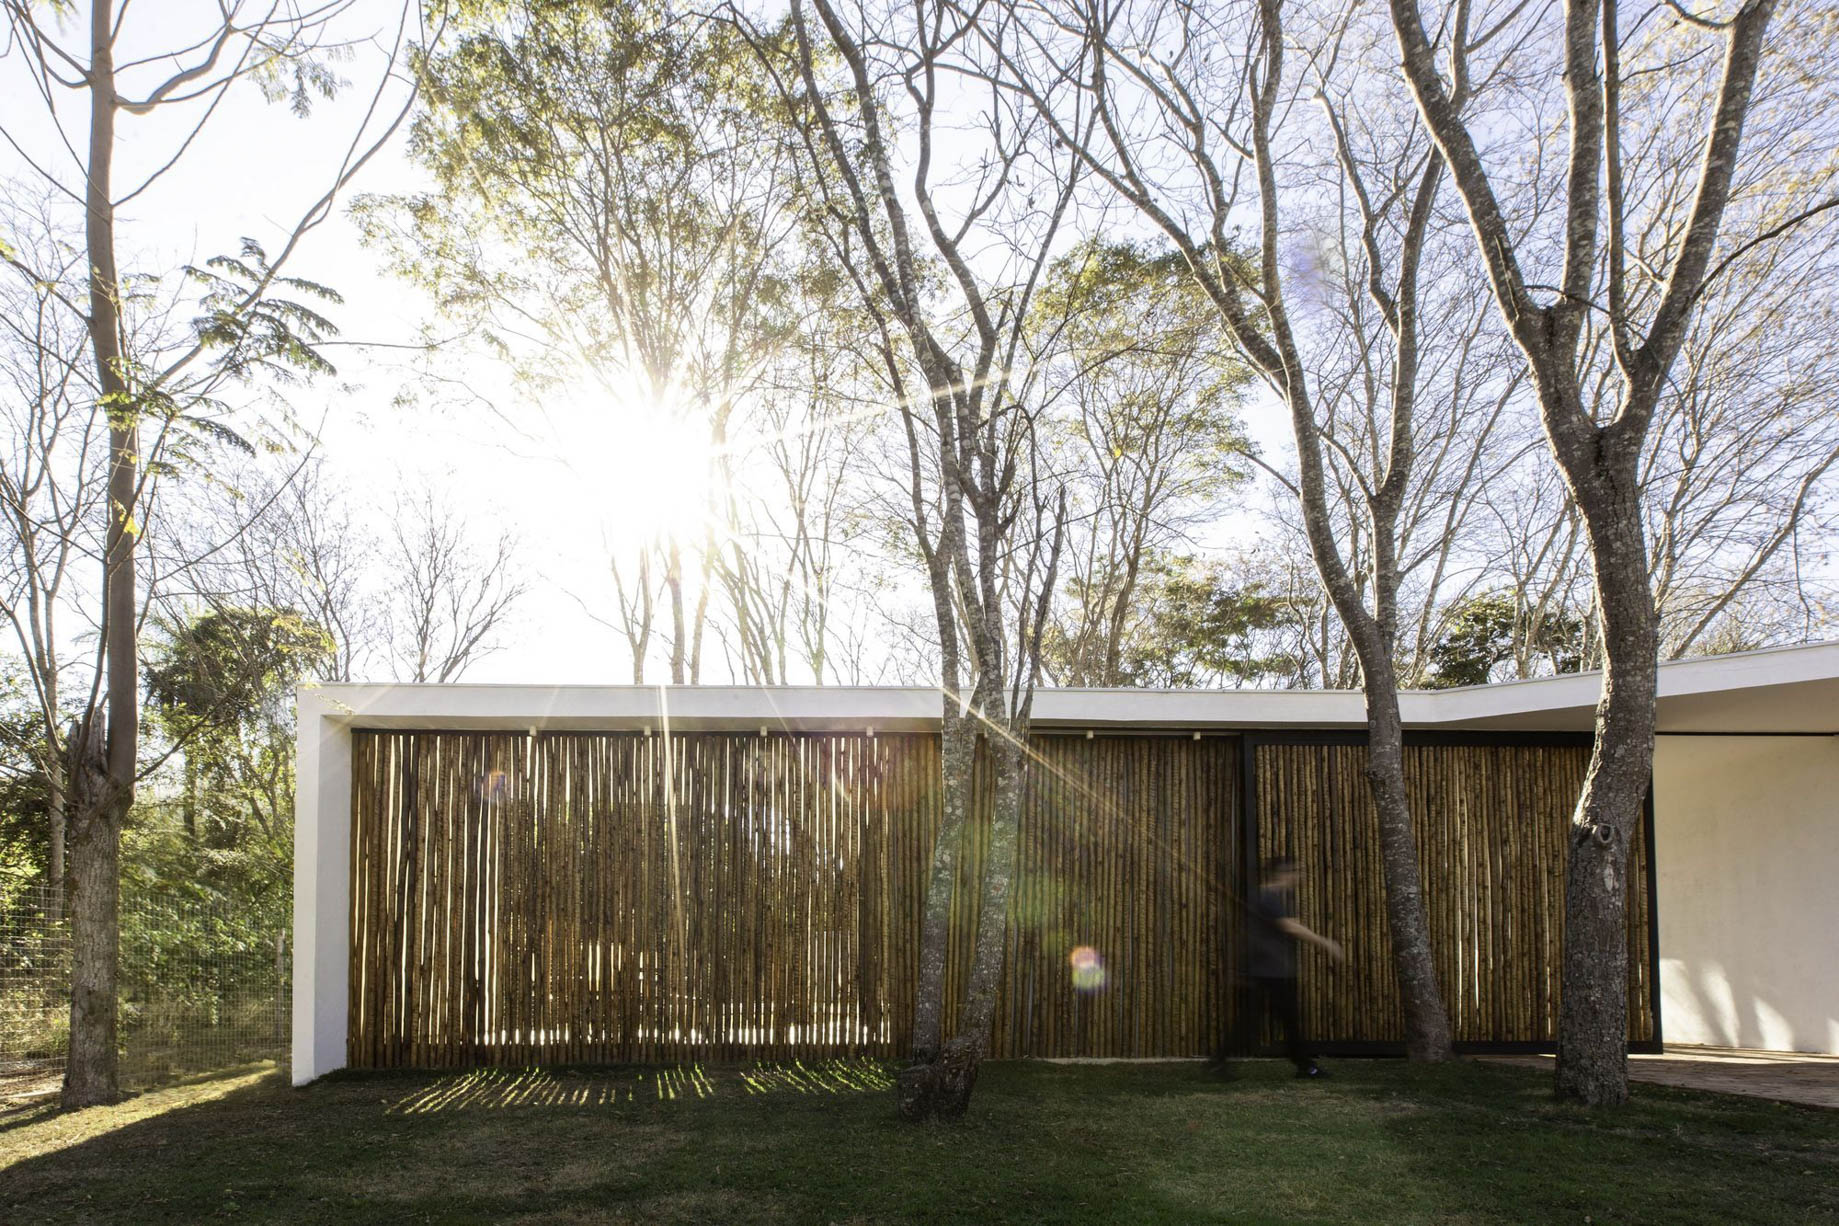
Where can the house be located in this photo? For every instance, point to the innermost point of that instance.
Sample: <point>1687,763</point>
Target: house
<point>515,874</point>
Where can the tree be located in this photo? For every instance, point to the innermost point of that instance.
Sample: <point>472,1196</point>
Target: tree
<point>25,794</point>
<point>1483,632</point>
<point>251,320</point>
<point>1737,478</point>
<point>447,598</point>
<point>793,478</point>
<point>1141,397</point>
<point>611,214</point>
<point>52,487</point>
<point>1169,90</point>
<point>283,532</point>
<point>946,248</point>
<point>219,682</point>
<point>1598,428</point>
<point>1196,624</point>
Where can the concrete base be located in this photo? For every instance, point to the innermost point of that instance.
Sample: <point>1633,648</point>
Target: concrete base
<point>1789,1077</point>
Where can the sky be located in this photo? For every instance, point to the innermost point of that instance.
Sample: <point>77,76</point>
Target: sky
<point>568,474</point>
<point>548,471</point>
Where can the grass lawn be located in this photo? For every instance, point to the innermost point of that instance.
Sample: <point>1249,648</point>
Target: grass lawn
<point>1382,1142</point>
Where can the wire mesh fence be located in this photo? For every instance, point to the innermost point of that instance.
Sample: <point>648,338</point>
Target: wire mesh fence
<point>34,991</point>
<point>201,989</point>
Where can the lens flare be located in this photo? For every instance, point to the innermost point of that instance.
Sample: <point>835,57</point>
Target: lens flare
<point>1088,969</point>
<point>492,785</point>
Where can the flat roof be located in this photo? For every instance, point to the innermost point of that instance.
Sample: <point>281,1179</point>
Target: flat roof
<point>1777,690</point>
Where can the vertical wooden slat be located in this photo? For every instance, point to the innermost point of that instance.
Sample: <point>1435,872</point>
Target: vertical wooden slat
<point>515,899</point>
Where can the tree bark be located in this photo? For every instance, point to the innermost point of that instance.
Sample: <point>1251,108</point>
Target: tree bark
<point>1593,1009</point>
<point>919,1083</point>
<point>1374,632</point>
<point>1261,332</point>
<point>57,800</point>
<point>90,1070</point>
<point>1600,462</point>
<point>1427,1029</point>
<point>673,582</point>
<point>971,1045</point>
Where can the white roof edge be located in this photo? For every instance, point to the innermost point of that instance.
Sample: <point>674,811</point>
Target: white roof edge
<point>1519,704</point>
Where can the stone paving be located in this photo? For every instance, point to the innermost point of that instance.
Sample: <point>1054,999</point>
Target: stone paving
<point>1790,1077</point>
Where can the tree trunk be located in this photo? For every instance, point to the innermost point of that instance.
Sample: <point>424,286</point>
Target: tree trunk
<point>918,1082</point>
<point>188,797</point>
<point>968,1048</point>
<point>673,582</point>
<point>701,619</point>
<point>1600,463</point>
<point>90,1074</point>
<point>1593,1012</point>
<point>57,801</point>
<point>1427,1030</point>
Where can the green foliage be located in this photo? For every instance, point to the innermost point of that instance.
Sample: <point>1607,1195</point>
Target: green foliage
<point>25,800</point>
<point>206,910</point>
<point>228,666</point>
<point>1480,634</point>
<point>608,172</point>
<point>207,853</point>
<point>1192,624</point>
<point>1145,392</point>
<point>1148,365</point>
<point>219,685</point>
<point>250,328</point>
<point>25,823</point>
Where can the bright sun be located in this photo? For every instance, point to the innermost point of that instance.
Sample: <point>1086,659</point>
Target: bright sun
<point>661,477</point>
<point>641,468</point>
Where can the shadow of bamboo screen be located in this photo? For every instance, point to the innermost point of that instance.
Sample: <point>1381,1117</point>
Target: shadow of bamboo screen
<point>617,897</point>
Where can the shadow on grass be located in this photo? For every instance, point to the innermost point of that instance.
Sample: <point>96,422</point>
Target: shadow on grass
<point>800,1143</point>
<point>26,1114</point>
<point>1479,1137</point>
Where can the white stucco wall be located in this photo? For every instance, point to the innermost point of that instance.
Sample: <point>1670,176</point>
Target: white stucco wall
<point>1746,834</point>
<point>322,886</point>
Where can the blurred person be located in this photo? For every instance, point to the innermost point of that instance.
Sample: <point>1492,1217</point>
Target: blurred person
<point>1272,932</point>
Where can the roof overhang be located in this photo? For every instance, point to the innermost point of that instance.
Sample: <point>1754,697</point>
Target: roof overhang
<point>1782,690</point>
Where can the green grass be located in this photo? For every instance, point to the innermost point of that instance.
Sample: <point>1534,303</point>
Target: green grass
<point>1382,1142</point>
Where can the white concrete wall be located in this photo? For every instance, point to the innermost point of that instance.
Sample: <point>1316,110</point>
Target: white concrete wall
<point>1746,833</point>
<point>322,885</point>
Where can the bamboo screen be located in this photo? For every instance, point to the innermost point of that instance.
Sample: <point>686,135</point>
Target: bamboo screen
<point>522,900</point>
<point>1126,862</point>
<point>1492,824</point>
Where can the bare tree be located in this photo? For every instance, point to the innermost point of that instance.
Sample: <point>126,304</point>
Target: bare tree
<point>1738,474</point>
<point>946,248</point>
<point>636,608</point>
<point>1598,428</point>
<point>281,531</point>
<point>251,319</point>
<point>1205,89</point>
<point>447,597</point>
<point>52,480</point>
<point>1141,396</point>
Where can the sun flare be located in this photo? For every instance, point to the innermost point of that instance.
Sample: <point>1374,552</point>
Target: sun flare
<point>662,477</point>
<point>646,467</point>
